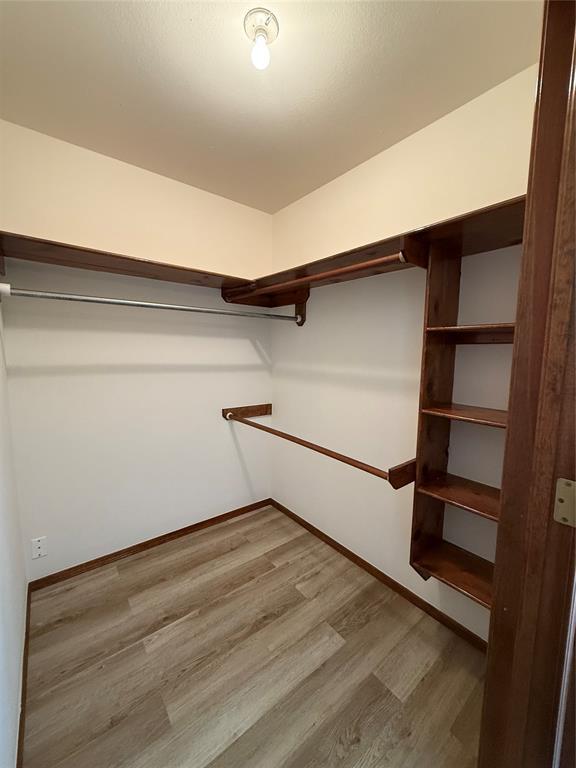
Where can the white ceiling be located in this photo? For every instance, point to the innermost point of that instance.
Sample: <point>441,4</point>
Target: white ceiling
<point>168,86</point>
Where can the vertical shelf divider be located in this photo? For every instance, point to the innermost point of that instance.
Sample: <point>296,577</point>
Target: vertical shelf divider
<point>436,384</point>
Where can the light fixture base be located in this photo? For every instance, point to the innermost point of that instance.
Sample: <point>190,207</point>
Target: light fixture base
<point>263,22</point>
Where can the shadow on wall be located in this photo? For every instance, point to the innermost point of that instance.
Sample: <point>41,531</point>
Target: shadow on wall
<point>103,340</point>
<point>47,338</point>
<point>242,461</point>
<point>21,371</point>
<point>379,379</point>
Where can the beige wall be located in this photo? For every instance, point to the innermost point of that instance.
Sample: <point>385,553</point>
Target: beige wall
<point>472,157</point>
<point>55,190</point>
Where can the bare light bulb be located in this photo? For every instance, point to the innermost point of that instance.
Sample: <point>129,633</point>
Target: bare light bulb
<point>260,52</point>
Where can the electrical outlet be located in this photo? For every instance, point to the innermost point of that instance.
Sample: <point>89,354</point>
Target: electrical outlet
<point>39,547</point>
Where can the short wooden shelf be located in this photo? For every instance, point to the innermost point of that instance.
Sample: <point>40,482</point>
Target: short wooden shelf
<point>490,417</point>
<point>483,500</point>
<point>494,333</point>
<point>462,570</point>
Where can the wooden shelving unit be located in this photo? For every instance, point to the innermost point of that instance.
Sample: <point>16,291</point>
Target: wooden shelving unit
<point>483,500</point>
<point>462,570</point>
<point>497,333</point>
<point>430,554</point>
<point>488,417</point>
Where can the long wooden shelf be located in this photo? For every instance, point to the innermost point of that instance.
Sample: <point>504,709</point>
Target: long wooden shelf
<point>483,500</point>
<point>489,417</point>
<point>15,246</point>
<point>481,231</point>
<point>462,570</point>
<point>488,229</point>
<point>487,333</point>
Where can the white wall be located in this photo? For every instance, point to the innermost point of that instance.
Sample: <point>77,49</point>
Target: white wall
<point>117,433</point>
<point>489,286</point>
<point>55,190</point>
<point>349,379</point>
<point>473,157</point>
<point>12,587</point>
<point>116,412</point>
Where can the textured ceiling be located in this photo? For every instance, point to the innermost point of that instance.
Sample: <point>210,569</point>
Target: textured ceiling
<point>169,86</point>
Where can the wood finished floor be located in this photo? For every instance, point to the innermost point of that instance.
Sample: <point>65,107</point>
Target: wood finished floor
<point>250,644</point>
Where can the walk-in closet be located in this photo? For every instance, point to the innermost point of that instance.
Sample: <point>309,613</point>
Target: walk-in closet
<point>287,451</point>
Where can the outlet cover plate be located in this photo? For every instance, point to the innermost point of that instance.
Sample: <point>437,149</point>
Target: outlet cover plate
<point>39,547</point>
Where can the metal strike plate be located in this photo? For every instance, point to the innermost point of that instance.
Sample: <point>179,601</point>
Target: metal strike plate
<point>565,502</point>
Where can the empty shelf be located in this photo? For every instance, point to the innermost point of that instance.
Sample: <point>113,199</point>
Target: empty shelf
<point>494,333</point>
<point>490,417</point>
<point>475,497</point>
<point>462,570</point>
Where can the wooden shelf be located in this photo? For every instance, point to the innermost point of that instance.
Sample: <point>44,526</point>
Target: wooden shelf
<point>462,570</point>
<point>483,500</point>
<point>490,417</point>
<point>497,226</point>
<point>494,333</point>
<point>481,231</point>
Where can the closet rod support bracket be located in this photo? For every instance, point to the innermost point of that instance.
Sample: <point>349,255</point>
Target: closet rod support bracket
<point>247,411</point>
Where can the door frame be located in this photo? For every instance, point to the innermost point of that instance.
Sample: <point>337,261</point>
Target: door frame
<point>534,569</point>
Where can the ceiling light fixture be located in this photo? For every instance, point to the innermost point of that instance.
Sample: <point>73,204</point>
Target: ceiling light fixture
<point>261,26</point>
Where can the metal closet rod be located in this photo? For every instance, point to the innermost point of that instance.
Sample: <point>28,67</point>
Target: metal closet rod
<point>7,290</point>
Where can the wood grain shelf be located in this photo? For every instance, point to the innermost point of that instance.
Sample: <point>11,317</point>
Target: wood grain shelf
<point>15,246</point>
<point>483,500</point>
<point>489,417</point>
<point>462,570</point>
<point>487,333</point>
<point>497,226</point>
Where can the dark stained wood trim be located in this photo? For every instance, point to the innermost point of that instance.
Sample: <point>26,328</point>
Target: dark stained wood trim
<point>496,226</point>
<point>486,229</point>
<point>24,684</point>
<point>402,474</point>
<point>487,333</point>
<point>248,411</point>
<point>76,570</point>
<point>339,274</point>
<point>300,311</point>
<point>478,498</point>
<point>488,417</point>
<point>452,624</point>
<point>297,296</point>
<point>436,384</point>
<point>493,227</point>
<point>16,246</point>
<point>458,568</point>
<point>535,555</point>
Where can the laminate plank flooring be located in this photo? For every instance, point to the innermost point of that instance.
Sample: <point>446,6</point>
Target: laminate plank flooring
<point>250,644</point>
